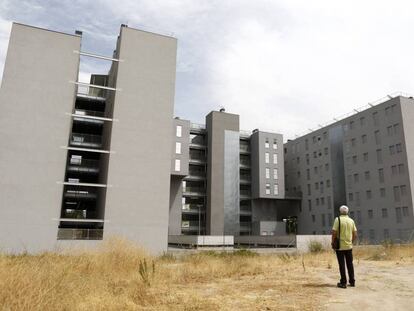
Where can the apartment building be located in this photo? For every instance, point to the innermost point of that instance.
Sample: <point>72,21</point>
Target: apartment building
<point>78,160</point>
<point>365,161</point>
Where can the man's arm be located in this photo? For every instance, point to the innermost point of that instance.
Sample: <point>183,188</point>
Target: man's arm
<point>333,236</point>
<point>354,235</point>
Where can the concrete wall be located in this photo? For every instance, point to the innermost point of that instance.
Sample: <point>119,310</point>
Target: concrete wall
<point>184,140</point>
<point>258,165</point>
<point>137,203</point>
<point>303,242</point>
<point>217,123</point>
<point>34,97</point>
<point>176,194</point>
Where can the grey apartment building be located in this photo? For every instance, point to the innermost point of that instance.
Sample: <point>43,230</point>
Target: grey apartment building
<point>81,162</point>
<point>365,161</point>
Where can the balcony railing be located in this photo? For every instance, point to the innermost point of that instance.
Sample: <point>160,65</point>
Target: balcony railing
<point>187,224</point>
<point>79,234</point>
<point>245,226</point>
<point>80,194</point>
<point>245,193</point>
<point>245,163</point>
<point>194,190</point>
<point>85,140</point>
<point>89,113</point>
<point>90,91</point>
<point>83,166</point>
<point>193,208</point>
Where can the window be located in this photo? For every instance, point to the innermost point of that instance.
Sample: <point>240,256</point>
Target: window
<point>275,144</point>
<point>310,205</point>
<point>354,159</point>
<point>179,130</point>
<point>356,178</point>
<point>350,197</point>
<point>267,159</point>
<point>365,157</point>
<point>315,170</point>
<point>353,142</point>
<point>382,192</point>
<point>325,135</point>
<point>309,189</point>
<point>392,149</point>
<point>313,218</point>
<point>267,143</point>
<point>307,158</point>
<point>275,158</point>
<point>315,155</point>
<point>403,189</point>
<point>370,214</point>
<point>267,172</point>
<point>390,130</point>
<point>306,144</point>
<point>276,189</point>
<point>362,121</point>
<point>267,188</point>
<point>317,202</point>
<point>400,168</point>
<point>375,118</point>
<point>323,220</point>
<point>397,194</point>
<point>275,174</point>
<point>321,186</point>
<point>394,170</point>
<point>329,201</point>
<point>364,139</point>
<point>178,148</point>
<point>398,214</point>
<point>327,167</point>
<point>372,235</point>
<point>388,110</point>
<point>359,219</point>
<point>405,211</point>
<point>379,156</point>
<point>316,186</point>
<point>307,174</point>
<point>322,201</point>
<point>351,125</point>
<point>396,128</point>
<point>367,175</point>
<point>398,147</point>
<point>377,137</point>
<point>177,165</point>
<point>381,175</point>
<point>386,234</point>
<point>384,213</point>
<point>297,160</point>
<point>326,151</point>
<point>369,194</point>
<point>328,183</point>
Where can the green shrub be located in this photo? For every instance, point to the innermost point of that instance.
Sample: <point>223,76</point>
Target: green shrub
<point>315,247</point>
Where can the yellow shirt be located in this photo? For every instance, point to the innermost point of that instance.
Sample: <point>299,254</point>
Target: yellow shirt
<point>347,227</point>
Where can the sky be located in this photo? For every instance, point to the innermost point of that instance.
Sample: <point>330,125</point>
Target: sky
<point>284,65</point>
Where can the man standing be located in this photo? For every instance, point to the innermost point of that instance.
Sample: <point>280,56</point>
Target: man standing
<point>347,234</point>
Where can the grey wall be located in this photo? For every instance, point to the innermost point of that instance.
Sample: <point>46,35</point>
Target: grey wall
<point>258,165</point>
<point>34,97</point>
<point>176,194</point>
<point>137,203</point>
<point>185,142</point>
<point>216,125</point>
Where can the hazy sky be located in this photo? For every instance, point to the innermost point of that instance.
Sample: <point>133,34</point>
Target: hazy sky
<point>284,66</point>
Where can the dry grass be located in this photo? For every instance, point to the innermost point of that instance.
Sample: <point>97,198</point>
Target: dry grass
<point>119,276</point>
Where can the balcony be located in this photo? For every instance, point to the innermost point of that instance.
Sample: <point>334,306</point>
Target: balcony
<point>244,163</point>
<point>193,209</point>
<point>245,179</point>
<point>85,141</point>
<point>89,116</point>
<point>79,234</point>
<point>245,212</point>
<point>244,149</point>
<point>80,194</point>
<point>83,166</point>
<point>194,191</point>
<point>245,194</point>
<point>245,226</point>
<point>187,225</point>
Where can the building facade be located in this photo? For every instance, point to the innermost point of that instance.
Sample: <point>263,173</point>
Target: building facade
<point>365,161</point>
<point>81,162</point>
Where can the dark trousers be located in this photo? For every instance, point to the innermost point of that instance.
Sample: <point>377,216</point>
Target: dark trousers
<point>346,257</point>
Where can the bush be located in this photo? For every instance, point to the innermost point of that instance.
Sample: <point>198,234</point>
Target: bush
<point>315,247</point>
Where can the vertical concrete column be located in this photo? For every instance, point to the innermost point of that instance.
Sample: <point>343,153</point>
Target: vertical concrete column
<point>223,180</point>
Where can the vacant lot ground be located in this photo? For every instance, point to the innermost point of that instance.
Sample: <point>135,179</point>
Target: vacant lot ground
<point>121,277</point>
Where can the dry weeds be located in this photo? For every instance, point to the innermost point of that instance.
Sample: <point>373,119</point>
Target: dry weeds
<point>120,276</point>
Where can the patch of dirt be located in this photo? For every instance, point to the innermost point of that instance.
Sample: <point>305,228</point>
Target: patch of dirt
<point>379,286</point>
